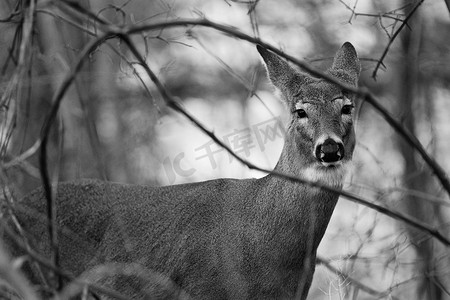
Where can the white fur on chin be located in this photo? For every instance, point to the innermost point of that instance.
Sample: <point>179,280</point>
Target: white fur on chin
<point>331,175</point>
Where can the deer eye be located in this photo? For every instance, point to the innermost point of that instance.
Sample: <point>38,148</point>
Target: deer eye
<point>301,113</point>
<point>347,109</point>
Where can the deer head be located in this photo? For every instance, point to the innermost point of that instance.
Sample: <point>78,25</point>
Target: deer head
<point>320,136</point>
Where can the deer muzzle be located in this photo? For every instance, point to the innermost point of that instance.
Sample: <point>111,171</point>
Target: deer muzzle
<point>330,151</point>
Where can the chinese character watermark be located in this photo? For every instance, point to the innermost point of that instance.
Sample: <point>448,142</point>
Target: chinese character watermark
<point>240,141</point>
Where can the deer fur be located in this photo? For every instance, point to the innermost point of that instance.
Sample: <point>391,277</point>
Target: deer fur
<point>218,239</point>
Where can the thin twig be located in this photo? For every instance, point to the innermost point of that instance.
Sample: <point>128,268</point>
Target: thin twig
<point>9,197</point>
<point>24,156</point>
<point>49,265</point>
<point>326,263</point>
<point>245,83</point>
<point>75,6</point>
<point>391,40</point>
<point>15,12</point>
<point>385,15</point>
<point>14,277</point>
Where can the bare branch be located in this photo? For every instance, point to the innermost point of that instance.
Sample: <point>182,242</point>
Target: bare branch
<point>15,12</point>
<point>245,83</point>
<point>447,2</point>
<point>386,15</point>
<point>14,278</point>
<point>48,123</point>
<point>404,23</point>
<point>49,265</point>
<point>326,263</point>
<point>24,156</point>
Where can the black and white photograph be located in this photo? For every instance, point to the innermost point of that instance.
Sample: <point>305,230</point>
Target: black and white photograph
<point>225,149</point>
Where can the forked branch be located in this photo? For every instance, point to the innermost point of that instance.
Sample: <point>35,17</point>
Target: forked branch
<point>357,284</point>
<point>394,36</point>
<point>388,15</point>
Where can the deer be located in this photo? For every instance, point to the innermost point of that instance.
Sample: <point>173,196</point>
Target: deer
<point>217,239</point>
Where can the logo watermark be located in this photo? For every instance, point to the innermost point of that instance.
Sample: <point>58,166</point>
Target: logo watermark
<point>240,141</point>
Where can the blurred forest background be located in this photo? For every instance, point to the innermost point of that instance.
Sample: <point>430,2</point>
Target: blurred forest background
<point>113,124</point>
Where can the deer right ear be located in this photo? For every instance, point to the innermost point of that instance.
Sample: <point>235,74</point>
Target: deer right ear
<point>346,64</point>
<point>281,74</point>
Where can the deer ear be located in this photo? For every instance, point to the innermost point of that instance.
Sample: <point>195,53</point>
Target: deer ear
<point>281,74</point>
<point>346,64</point>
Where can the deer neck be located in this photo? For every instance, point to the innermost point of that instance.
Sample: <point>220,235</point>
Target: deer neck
<point>294,198</point>
<point>299,203</point>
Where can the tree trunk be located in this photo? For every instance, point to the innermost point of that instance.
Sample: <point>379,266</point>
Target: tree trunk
<point>415,177</point>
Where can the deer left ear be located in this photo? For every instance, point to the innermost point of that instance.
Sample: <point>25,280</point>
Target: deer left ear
<point>279,71</point>
<point>282,75</point>
<point>346,64</point>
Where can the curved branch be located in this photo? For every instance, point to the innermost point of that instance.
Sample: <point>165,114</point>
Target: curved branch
<point>48,123</point>
<point>50,266</point>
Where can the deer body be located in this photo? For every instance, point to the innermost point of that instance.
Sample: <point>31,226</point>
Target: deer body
<point>218,239</point>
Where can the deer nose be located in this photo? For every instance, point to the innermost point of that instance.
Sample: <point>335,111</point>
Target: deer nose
<point>330,151</point>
